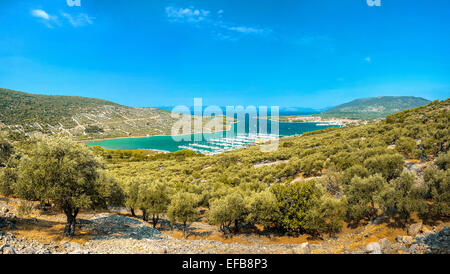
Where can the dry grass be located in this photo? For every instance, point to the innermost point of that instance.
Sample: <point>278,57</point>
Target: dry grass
<point>49,226</point>
<point>46,231</point>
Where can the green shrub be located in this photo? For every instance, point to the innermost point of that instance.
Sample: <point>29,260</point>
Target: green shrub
<point>65,173</point>
<point>388,165</point>
<point>228,210</point>
<point>437,187</point>
<point>405,145</point>
<point>262,208</point>
<point>443,161</point>
<point>401,197</point>
<point>356,170</point>
<point>183,208</point>
<point>361,195</point>
<point>327,217</point>
<point>295,200</point>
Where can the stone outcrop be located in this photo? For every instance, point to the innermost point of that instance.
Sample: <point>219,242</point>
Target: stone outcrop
<point>414,229</point>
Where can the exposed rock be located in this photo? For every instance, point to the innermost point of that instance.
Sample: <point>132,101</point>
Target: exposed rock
<point>77,251</point>
<point>43,251</point>
<point>373,248</point>
<point>414,229</point>
<point>438,243</point>
<point>3,247</point>
<point>399,248</point>
<point>7,249</point>
<point>6,213</point>
<point>302,249</point>
<point>417,249</point>
<point>385,245</point>
<point>28,250</point>
<point>404,239</point>
<point>358,251</point>
<point>314,246</point>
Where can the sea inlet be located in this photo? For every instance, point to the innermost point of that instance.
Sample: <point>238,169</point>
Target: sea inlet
<point>211,143</point>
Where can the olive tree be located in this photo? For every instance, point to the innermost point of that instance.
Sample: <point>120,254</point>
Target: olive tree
<point>183,208</point>
<point>443,161</point>
<point>228,210</point>
<point>6,149</point>
<point>356,170</point>
<point>153,200</point>
<point>401,197</point>
<point>295,200</point>
<point>437,188</point>
<point>262,208</point>
<point>390,166</point>
<point>327,216</point>
<point>8,173</point>
<point>361,196</point>
<point>67,174</point>
<point>131,188</point>
<point>313,164</point>
<point>405,145</point>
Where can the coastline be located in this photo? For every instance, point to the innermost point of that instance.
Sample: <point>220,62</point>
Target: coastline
<point>229,127</point>
<point>318,119</point>
<point>99,141</point>
<point>147,136</point>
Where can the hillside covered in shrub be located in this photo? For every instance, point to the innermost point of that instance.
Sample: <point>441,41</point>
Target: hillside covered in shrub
<point>312,184</point>
<point>79,117</point>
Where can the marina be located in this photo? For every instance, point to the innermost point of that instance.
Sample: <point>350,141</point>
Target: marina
<point>220,145</point>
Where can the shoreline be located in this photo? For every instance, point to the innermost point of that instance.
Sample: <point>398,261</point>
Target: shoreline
<point>88,142</point>
<point>146,136</point>
<point>318,120</point>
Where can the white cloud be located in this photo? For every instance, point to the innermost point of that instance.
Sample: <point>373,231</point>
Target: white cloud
<point>40,14</point>
<point>246,30</point>
<point>47,19</point>
<point>186,14</point>
<point>205,18</point>
<point>79,20</point>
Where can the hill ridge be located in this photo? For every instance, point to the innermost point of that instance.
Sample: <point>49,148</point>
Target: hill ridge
<point>374,107</point>
<point>82,117</point>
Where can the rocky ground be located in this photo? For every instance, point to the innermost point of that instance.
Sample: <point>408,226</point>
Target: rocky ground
<point>113,233</point>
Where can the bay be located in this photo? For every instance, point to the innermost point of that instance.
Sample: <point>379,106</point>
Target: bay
<point>168,144</point>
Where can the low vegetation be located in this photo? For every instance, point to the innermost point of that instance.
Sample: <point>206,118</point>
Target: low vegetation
<point>321,180</point>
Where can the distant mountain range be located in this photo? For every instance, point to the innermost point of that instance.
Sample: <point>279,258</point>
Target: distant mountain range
<point>364,108</point>
<point>374,107</point>
<point>283,111</point>
<point>88,118</point>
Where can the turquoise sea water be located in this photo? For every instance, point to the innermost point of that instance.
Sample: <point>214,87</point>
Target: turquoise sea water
<point>167,143</point>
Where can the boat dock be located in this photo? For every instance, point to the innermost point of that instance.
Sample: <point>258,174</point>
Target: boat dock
<point>220,145</point>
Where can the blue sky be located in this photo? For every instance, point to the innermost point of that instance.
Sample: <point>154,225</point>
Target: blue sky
<point>310,53</point>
